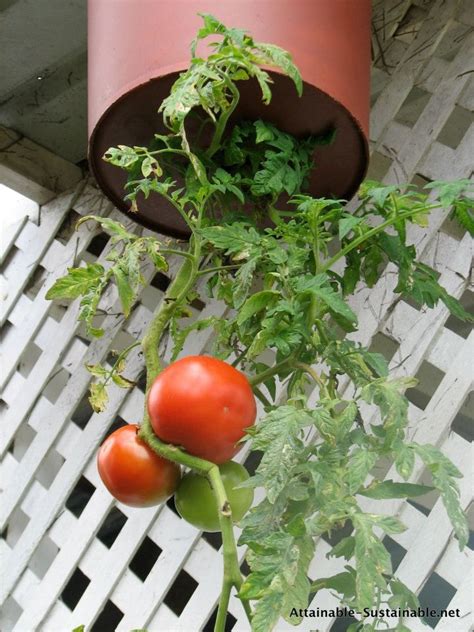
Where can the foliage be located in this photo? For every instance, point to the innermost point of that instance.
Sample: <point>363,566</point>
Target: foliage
<point>286,294</point>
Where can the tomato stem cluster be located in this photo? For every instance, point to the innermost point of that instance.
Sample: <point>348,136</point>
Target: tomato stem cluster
<point>174,298</point>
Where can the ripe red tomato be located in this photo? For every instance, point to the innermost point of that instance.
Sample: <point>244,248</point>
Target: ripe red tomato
<point>195,501</point>
<point>132,472</point>
<point>203,405</point>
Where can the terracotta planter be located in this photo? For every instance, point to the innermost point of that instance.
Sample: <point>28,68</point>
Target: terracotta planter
<point>137,48</point>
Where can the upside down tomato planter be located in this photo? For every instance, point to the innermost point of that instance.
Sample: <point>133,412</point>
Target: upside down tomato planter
<point>137,48</point>
<point>284,305</point>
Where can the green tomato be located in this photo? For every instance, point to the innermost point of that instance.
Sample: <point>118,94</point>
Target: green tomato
<point>196,503</point>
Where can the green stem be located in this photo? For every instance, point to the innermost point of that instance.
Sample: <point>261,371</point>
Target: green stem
<point>217,269</point>
<point>123,354</point>
<point>232,576</point>
<point>180,253</point>
<point>222,122</point>
<point>179,209</point>
<point>261,377</point>
<point>309,369</point>
<point>370,233</point>
<point>260,396</point>
<point>172,452</point>
<point>174,297</point>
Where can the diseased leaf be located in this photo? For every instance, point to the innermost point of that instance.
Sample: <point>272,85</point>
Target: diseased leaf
<point>279,437</point>
<point>122,381</point>
<point>404,460</point>
<point>389,524</point>
<point>444,473</point>
<point>98,397</point>
<point>360,464</point>
<point>125,291</point>
<point>372,561</point>
<point>342,583</point>
<point>77,282</point>
<point>391,489</point>
<point>344,548</point>
<point>97,370</point>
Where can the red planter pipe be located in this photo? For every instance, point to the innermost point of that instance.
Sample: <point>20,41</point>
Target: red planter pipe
<point>137,47</point>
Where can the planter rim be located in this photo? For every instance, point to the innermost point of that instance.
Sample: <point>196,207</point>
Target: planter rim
<point>179,67</point>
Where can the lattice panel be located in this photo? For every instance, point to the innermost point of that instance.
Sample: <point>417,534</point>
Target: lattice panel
<point>74,556</point>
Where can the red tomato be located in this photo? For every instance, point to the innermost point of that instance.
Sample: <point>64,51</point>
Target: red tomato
<point>133,472</point>
<point>203,405</point>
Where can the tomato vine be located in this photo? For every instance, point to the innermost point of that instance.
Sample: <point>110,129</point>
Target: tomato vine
<point>286,285</point>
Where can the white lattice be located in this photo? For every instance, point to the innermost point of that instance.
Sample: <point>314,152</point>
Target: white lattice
<point>71,555</point>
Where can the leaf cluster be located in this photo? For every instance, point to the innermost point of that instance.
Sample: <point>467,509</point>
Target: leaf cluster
<point>90,281</point>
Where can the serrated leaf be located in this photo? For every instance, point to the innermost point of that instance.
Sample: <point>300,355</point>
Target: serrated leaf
<point>389,524</point>
<point>97,370</point>
<point>77,282</point>
<point>344,548</point>
<point>448,192</point>
<point>282,59</point>
<point>320,287</point>
<point>279,436</point>
<point>256,303</point>
<point>122,381</point>
<point>391,489</point>
<point>264,131</point>
<point>377,362</point>
<point>342,583</point>
<point>388,396</point>
<point>348,223</point>
<point>444,473</point>
<point>158,260</point>
<point>98,397</point>
<point>404,460</point>
<point>125,291</point>
<point>372,561</point>
<point>360,464</point>
<point>116,229</point>
<point>121,156</point>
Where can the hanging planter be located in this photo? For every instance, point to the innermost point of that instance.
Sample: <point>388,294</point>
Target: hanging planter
<point>137,49</point>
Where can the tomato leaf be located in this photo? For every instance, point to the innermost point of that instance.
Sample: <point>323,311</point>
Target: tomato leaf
<point>98,397</point>
<point>444,473</point>
<point>77,282</point>
<point>390,489</point>
<point>279,436</point>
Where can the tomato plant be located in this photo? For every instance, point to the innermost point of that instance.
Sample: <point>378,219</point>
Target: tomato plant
<point>196,503</point>
<point>203,405</point>
<point>133,472</point>
<point>286,289</point>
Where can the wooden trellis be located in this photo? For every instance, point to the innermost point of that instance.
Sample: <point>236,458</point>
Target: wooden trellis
<point>70,554</point>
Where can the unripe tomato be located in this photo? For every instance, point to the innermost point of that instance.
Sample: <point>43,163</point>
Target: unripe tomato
<point>133,472</point>
<point>203,405</point>
<point>196,503</point>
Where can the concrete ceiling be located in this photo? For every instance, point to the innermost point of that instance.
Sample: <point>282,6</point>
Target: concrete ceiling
<point>43,73</point>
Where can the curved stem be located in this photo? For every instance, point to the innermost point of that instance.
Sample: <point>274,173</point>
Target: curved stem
<point>180,253</point>
<point>232,575</point>
<point>370,233</point>
<point>172,452</point>
<point>222,122</point>
<point>309,369</point>
<point>175,296</point>
<point>261,377</point>
<point>217,269</point>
